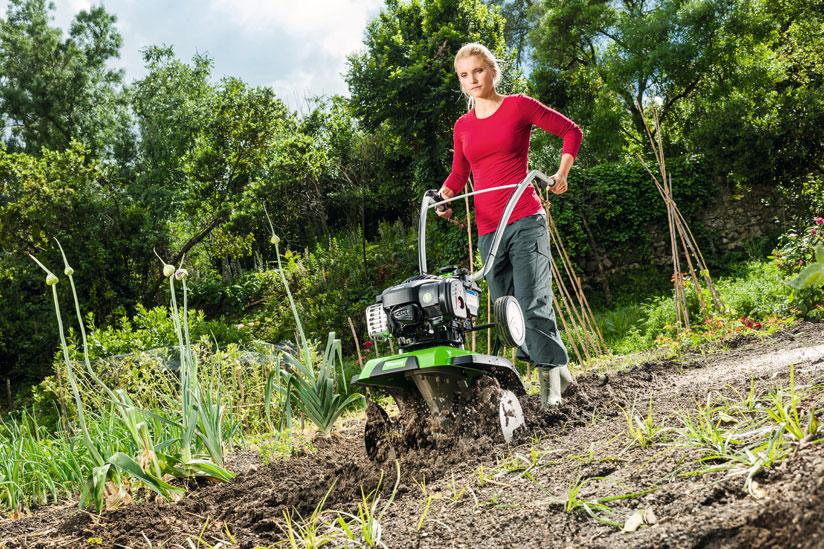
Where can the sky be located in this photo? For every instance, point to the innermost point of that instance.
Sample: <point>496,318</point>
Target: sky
<point>298,47</point>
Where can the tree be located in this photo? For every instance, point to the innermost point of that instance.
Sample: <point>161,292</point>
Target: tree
<point>520,20</point>
<point>68,195</point>
<point>598,61</point>
<point>404,83</point>
<point>53,90</point>
<point>762,117</point>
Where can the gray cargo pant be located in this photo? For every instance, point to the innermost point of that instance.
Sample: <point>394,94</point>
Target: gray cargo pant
<point>522,269</point>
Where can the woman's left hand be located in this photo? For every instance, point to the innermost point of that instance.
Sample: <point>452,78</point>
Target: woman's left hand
<point>560,185</point>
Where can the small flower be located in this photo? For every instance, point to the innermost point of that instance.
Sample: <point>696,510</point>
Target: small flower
<point>813,232</point>
<point>757,326</point>
<point>819,220</point>
<point>275,239</point>
<point>368,344</point>
<point>68,271</point>
<point>180,274</point>
<point>51,280</point>
<point>168,270</point>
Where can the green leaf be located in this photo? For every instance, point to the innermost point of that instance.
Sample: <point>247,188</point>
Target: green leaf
<point>811,276</point>
<point>129,466</point>
<point>208,469</point>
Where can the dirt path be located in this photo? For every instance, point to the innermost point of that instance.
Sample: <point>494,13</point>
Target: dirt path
<point>483,495</point>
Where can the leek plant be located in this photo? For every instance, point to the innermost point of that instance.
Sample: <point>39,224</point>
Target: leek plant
<point>202,411</point>
<point>309,383</point>
<point>108,482</point>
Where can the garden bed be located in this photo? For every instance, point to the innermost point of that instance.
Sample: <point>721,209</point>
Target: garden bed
<point>575,478</point>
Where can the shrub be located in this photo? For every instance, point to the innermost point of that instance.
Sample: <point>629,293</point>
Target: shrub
<point>796,250</point>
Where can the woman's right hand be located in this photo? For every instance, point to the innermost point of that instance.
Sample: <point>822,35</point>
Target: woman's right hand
<point>445,192</point>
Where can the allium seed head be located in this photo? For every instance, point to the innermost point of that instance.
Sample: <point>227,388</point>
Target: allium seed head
<point>51,280</point>
<point>275,239</point>
<point>180,274</point>
<point>168,270</point>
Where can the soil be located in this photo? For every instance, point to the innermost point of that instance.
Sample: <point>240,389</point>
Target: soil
<point>480,492</point>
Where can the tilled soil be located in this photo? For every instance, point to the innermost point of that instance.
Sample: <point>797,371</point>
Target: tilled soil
<point>480,493</point>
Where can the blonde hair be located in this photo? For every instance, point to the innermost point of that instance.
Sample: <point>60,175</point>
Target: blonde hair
<point>474,48</point>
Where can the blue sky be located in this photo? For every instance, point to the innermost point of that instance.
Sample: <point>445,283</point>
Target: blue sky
<point>298,47</point>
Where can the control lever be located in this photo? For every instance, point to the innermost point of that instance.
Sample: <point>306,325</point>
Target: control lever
<point>436,197</point>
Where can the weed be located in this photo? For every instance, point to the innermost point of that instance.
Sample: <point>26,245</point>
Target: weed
<point>597,508</point>
<point>306,533</point>
<point>594,508</point>
<point>749,435</point>
<point>365,527</point>
<point>643,431</point>
<point>426,505</point>
<point>456,494</point>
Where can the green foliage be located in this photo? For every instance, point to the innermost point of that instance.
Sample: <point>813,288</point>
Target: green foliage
<point>154,328</point>
<point>623,211</point>
<point>404,82</point>
<point>55,90</point>
<point>761,116</point>
<point>331,284</point>
<point>811,276</point>
<point>754,290</point>
<point>48,195</point>
<point>800,255</point>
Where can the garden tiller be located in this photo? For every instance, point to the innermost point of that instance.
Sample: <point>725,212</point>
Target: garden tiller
<point>442,389</point>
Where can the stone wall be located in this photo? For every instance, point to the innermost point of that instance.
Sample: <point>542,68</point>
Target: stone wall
<point>733,220</point>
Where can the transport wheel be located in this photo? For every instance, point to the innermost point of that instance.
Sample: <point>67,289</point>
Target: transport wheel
<point>509,321</point>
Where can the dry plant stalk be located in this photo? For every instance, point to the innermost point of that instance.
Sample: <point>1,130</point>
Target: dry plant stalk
<point>357,343</point>
<point>572,309</point>
<point>682,241</point>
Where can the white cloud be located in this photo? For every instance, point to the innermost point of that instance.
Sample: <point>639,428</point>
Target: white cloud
<point>317,36</point>
<point>335,27</point>
<point>298,47</point>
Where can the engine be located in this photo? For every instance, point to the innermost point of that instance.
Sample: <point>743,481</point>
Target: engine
<point>426,310</point>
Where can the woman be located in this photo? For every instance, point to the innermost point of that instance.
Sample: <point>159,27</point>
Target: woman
<point>492,141</point>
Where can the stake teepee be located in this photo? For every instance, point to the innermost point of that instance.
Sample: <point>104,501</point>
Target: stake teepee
<point>571,307</point>
<point>682,241</point>
<point>573,311</point>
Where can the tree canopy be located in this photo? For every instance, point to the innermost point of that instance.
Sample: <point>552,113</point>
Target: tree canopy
<point>182,162</point>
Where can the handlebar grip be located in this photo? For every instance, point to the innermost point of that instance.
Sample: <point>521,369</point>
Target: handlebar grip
<point>438,198</point>
<point>544,182</point>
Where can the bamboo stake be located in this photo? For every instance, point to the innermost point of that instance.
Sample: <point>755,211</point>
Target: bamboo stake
<point>357,343</point>
<point>575,311</point>
<point>705,272</point>
<point>574,320</point>
<point>586,313</point>
<point>566,331</point>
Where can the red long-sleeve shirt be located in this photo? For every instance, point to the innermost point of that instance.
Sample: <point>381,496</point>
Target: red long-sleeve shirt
<point>495,149</point>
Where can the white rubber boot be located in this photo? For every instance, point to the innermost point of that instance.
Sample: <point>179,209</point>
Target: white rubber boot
<point>554,381</point>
